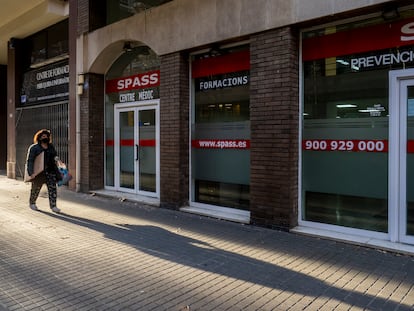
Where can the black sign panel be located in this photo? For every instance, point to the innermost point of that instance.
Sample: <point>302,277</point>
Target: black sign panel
<point>47,84</point>
<point>228,80</point>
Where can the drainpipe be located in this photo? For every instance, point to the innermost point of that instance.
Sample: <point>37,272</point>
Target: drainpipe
<point>78,144</point>
<point>79,90</point>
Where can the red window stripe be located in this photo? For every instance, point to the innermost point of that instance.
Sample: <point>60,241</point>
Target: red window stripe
<point>355,41</point>
<point>233,62</point>
<point>410,146</point>
<point>346,145</point>
<point>221,143</point>
<point>147,142</point>
<point>127,142</point>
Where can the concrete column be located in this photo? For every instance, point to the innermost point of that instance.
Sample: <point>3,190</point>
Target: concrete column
<point>13,87</point>
<point>3,115</point>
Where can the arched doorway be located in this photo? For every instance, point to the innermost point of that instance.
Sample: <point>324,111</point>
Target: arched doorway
<point>132,123</point>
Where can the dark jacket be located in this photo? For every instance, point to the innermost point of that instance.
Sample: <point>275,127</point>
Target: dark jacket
<point>50,155</point>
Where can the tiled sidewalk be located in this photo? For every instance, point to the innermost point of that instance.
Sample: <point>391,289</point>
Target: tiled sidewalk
<point>103,254</point>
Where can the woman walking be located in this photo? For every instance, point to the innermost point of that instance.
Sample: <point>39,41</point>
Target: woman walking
<point>42,142</point>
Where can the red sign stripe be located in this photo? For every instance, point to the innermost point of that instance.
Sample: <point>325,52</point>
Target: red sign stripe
<point>221,143</point>
<point>358,40</point>
<point>232,62</point>
<point>135,82</point>
<point>350,145</point>
<point>346,145</point>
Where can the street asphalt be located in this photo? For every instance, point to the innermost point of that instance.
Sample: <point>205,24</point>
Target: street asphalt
<point>105,254</point>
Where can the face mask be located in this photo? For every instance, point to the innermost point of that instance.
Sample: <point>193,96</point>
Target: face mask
<point>45,140</point>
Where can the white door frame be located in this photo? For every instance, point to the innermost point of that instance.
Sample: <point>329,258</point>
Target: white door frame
<point>399,80</point>
<point>136,107</point>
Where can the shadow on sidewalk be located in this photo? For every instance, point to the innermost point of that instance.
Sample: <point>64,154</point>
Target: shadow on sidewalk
<point>176,248</point>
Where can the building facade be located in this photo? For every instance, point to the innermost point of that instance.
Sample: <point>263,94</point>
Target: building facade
<point>294,115</point>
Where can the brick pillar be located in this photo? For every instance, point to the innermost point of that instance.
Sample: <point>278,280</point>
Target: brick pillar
<point>91,14</point>
<point>174,134</point>
<point>92,133</point>
<point>274,128</point>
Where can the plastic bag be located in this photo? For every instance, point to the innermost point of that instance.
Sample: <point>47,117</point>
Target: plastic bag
<point>64,173</point>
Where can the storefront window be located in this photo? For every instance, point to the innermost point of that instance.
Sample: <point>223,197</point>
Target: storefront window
<point>344,158</point>
<point>58,44</point>
<point>410,161</point>
<point>345,124</point>
<point>220,129</point>
<point>47,44</point>
<point>38,48</point>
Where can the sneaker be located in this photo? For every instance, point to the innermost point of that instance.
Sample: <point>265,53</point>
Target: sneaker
<point>55,209</point>
<point>33,207</point>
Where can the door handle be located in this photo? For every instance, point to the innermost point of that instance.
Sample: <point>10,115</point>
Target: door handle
<point>137,155</point>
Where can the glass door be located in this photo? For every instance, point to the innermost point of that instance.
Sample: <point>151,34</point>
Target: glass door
<point>146,153</point>
<point>126,150</point>
<point>401,151</point>
<point>137,150</point>
<point>406,159</point>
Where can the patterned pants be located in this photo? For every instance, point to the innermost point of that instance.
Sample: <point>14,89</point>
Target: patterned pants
<point>50,181</point>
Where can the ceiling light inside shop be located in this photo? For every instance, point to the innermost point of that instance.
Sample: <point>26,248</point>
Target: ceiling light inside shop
<point>345,63</point>
<point>346,106</point>
<point>375,108</point>
<point>341,61</point>
<point>368,110</point>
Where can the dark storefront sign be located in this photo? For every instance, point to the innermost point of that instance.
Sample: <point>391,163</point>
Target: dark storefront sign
<point>47,84</point>
<point>222,81</point>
